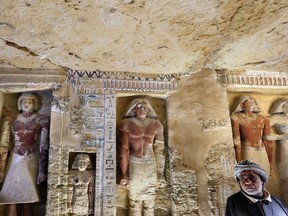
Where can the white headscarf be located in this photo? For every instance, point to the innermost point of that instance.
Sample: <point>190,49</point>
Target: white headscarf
<point>252,166</point>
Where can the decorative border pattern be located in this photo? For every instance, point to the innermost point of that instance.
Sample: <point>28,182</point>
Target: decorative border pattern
<point>253,79</point>
<point>125,81</point>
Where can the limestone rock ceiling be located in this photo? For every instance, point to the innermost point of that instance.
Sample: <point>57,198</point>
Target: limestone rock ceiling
<point>145,36</point>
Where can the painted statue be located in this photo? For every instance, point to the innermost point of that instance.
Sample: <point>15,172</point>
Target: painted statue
<point>279,123</point>
<point>250,131</point>
<point>82,183</point>
<point>141,157</point>
<point>27,165</point>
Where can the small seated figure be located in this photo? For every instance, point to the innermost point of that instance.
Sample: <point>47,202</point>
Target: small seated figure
<point>82,186</point>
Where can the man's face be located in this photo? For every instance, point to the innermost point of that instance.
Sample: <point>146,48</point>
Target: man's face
<point>247,105</point>
<point>82,163</point>
<point>27,105</point>
<point>141,110</point>
<point>251,183</point>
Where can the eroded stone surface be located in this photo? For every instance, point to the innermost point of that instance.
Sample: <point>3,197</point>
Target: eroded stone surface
<point>144,36</point>
<point>201,161</point>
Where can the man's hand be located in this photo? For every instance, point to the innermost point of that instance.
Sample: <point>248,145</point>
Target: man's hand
<point>41,177</point>
<point>124,182</point>
<point>161,182</point>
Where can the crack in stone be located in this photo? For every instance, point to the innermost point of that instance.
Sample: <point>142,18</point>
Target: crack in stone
<point>282,23</point>
<point>22,48</point>
<point>255,63</point>
<point>27,50</point>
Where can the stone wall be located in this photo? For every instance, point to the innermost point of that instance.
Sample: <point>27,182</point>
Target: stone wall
<point>200,136</point>
<point>195,113</point>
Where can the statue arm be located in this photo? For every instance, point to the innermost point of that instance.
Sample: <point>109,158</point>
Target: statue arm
<point>43,157</point>
<point>70,190</point>
<point>160,155</point>
<point>236,138</point>
<point>91,188</point>
<point>123,142</point>
<point>268,143</point>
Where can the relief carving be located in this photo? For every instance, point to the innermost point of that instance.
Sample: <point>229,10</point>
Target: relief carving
<point>212,123</point>
<point>82,186</point>
<point>92,113</point>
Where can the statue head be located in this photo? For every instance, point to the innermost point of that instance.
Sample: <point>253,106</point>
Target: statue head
<point>241,100</point>
<point>139,104</point>
<point>28,97</point>
<point>279,106</point>
<point>82,162</point>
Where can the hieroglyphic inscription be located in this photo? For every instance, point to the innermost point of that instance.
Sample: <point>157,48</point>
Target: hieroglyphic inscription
<point>109,181</point>
<point>212,123</point>
<point>98,122</point>
<point>93,119</point>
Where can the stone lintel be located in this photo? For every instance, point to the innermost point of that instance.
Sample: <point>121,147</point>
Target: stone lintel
<point>17,80</point>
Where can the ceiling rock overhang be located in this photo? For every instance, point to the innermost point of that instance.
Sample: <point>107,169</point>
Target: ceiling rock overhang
<point>163,36</point>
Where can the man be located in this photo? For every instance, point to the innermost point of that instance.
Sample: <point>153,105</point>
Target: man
<point>250,131</point>
<point>253,199</point>
<point>141,156</point>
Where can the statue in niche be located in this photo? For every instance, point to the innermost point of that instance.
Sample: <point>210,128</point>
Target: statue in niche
<point>27,164</point>
<point>82,184</point>
<point>279,124</point>
<point>141,158</point>
<point>250,131</point>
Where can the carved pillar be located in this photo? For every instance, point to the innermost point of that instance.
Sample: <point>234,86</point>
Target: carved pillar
<point>98,114</point>
<point>58,154</point>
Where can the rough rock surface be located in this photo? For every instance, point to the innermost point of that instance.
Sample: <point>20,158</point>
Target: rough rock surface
<point>163,36</point>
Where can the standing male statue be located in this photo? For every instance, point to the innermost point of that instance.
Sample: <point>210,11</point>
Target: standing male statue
<point>250,131</point>
<point>279,123</point>
<point>82,181</point>
<point>141,156</point>
<point>28,156</point>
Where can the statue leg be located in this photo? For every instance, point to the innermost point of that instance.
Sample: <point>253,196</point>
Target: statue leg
<point>148,207</point>
<point>135,208</point>
<point>26,209</point>
<point>11,210</point>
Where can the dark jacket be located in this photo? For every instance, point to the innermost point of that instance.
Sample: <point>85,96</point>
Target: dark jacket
<point>239,205</point>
